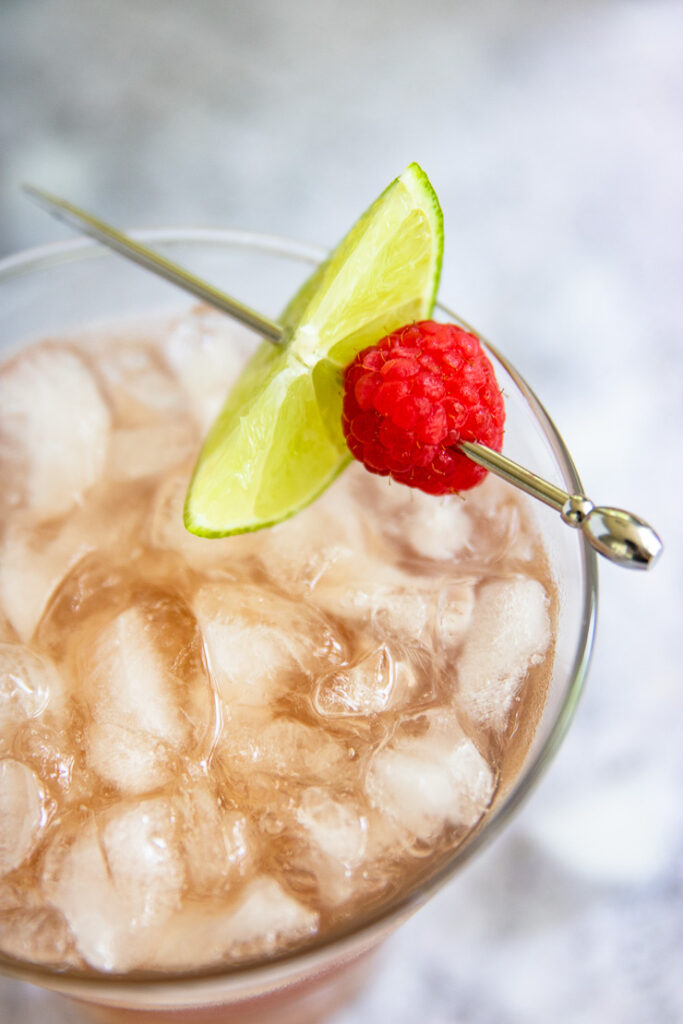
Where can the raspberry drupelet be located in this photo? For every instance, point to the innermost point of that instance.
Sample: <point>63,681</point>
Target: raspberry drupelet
<point>412,397</point>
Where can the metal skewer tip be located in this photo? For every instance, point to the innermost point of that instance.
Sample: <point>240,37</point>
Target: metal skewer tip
<point>620,536</point>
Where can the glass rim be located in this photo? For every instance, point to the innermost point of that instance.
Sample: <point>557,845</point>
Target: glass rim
<point>90,982</point>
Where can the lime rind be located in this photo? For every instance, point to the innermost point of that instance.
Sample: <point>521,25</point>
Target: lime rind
<point>277,443</point>
<point>407,210</point>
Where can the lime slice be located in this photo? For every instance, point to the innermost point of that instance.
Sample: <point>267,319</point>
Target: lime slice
<point>277,442</point>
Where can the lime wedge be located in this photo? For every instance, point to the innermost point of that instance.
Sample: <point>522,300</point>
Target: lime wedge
<point>277,442</point>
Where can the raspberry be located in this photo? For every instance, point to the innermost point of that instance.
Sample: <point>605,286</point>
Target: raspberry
<point>411,398</point>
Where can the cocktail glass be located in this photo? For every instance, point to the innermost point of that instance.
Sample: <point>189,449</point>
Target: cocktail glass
<point>66,287</point>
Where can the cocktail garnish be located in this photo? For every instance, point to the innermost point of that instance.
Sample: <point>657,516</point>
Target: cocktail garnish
<point>278,441</point>
<point>413,397</point>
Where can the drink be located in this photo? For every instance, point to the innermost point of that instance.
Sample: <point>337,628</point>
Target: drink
<point>241,742</point>
<point>177,834</point>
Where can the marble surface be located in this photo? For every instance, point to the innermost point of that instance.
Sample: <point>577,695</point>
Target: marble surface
<point>551,131</point>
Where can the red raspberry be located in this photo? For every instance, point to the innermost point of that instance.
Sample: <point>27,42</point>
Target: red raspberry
<point>409,400</point>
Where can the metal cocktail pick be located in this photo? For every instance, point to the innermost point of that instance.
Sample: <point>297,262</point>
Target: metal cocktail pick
<point>614,533</point>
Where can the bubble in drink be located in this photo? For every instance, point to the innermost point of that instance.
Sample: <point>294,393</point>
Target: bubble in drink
<point>215,751</point>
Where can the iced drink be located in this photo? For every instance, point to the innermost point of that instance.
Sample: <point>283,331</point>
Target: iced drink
<point>216,751</point>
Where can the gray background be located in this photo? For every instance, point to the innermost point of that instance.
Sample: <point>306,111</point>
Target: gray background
<point>552,133</point>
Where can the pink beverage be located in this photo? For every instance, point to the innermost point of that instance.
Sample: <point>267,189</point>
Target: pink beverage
<point>217,754</point>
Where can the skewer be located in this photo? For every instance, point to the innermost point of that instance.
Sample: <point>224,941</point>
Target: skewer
<point>618,535</point>
<point>126,246</point>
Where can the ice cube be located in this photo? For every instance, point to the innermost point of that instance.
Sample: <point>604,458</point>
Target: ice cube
<point>29,684</point>
<point>130,679</point>
<point>431,527</point>
<point>207,353</point>
<point>137,382</point>
<point>261,919</point>
<point>32,566</point>
<point>436,528</point>
<point>167,532</point>
<point>336,839</point>
<point>258,644</point>
<point>54,432</point>
<point>142,849</point>
<point>36,560</point>
<point>376,682</point>
<point>297,552</point>
<point>503,523</point>
<point>266,918</point>
<point>424,782</point>
<point>21,814</point>
<point>117,882</point>
<point>137,722</point>
<point>151,449</point>
<point>336,827</point>
<point>510,632</point>
<point>384,598</point>
<point>280,749</point>
<point>217,843</point>
<point>127,758</point>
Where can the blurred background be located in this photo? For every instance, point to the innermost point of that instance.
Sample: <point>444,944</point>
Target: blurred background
<point>552,134</point>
